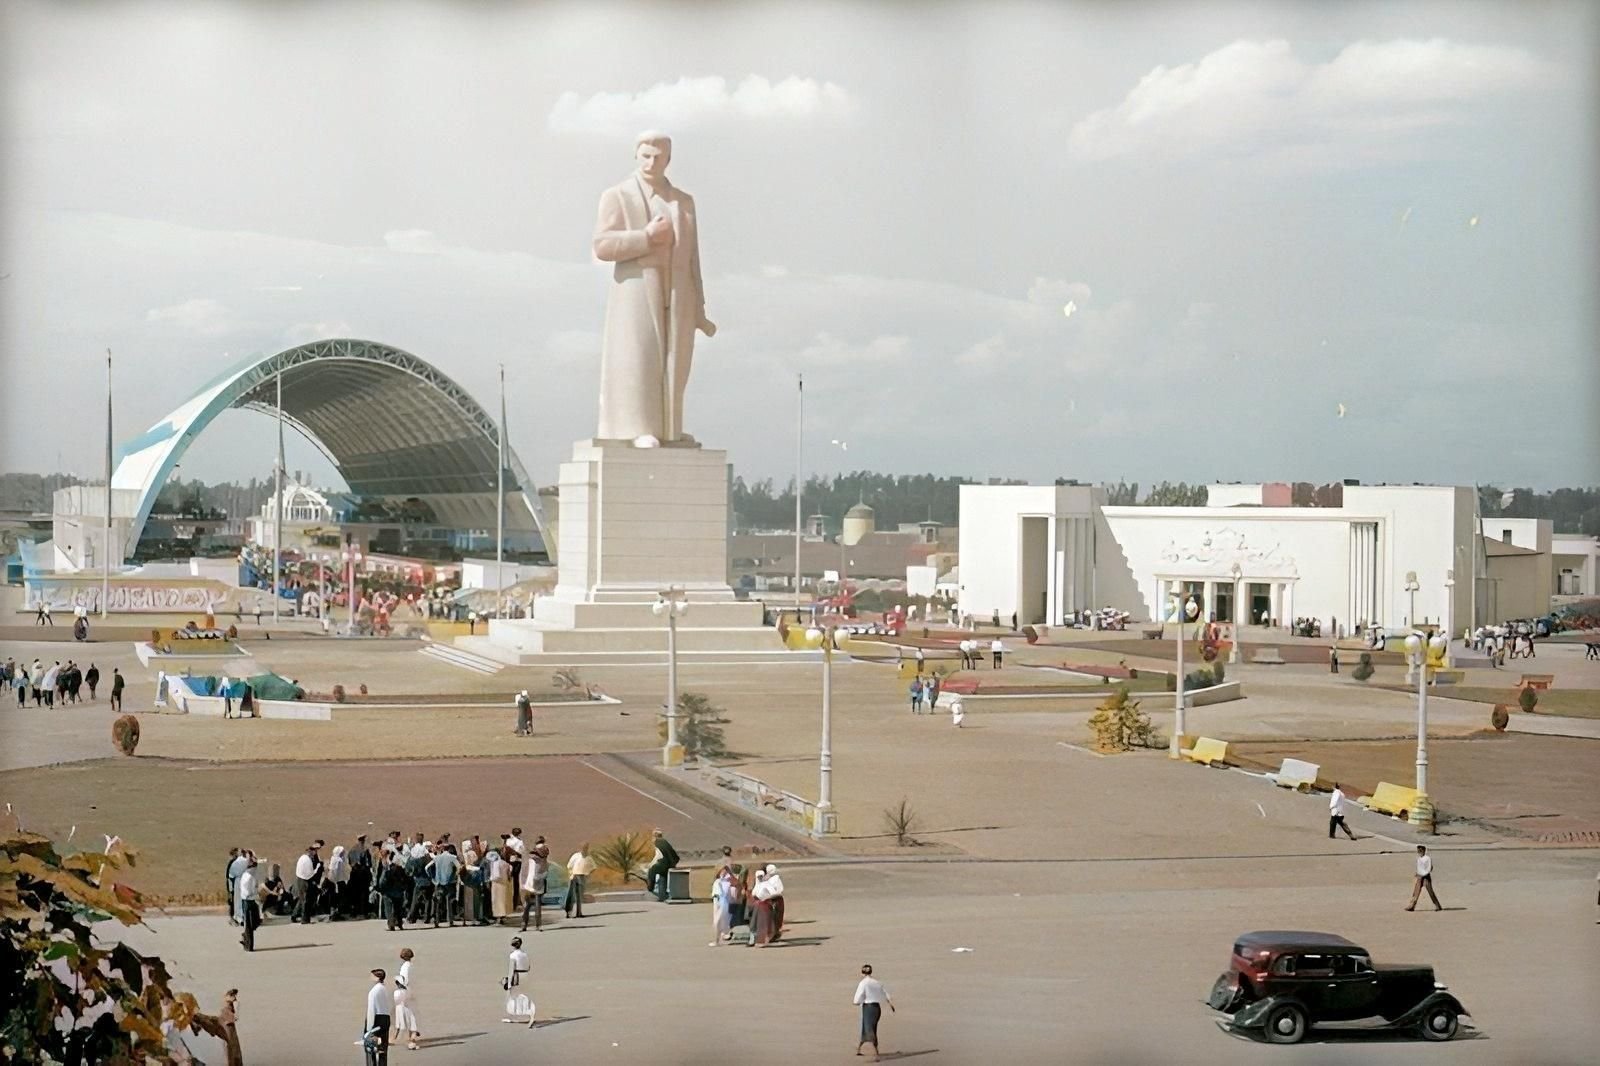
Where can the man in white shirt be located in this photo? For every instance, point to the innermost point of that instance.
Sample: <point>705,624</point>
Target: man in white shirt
<point>1424,879</point>
<point>306,869</point>
<point>996,650</point>
<point>515,850</point>
<point>870,997</point>
<point>247,888</point>
<point>375,1037</point>
<point>1336,813</point>
<point>579,867</point>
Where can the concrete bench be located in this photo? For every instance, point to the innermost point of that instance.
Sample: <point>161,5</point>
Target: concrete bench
<point>1268,657</point>
<point>1296,774</point>
<point>1538,682</point>
<point>1449,677</point>
<point>1390,799</point>
<point>1151,634</point>
<point>1207,751</point>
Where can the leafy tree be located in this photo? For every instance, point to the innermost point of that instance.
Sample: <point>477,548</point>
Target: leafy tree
<point>69,997</point>
<point>1119,725</point>
<point>1181,494</point>
<point>1528,699</point>
<point>1122,494</point>
<point>699,727</point>
<point>1363,668</point>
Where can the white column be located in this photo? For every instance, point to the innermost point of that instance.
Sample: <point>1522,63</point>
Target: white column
<point>1070,563</point>
<point>1210,605</point>
<point>1052,597</point>
<point>1288,600</point>
<point>1160,611</point>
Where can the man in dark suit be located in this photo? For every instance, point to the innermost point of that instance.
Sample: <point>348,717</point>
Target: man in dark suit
<point>666,858</point>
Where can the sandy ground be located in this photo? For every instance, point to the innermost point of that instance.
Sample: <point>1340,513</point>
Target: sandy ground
<point>183,816</point>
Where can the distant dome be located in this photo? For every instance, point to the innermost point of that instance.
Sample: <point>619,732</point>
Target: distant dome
<point>860,510</point>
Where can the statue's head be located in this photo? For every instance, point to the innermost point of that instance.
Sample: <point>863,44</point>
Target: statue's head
<point>652,151</point>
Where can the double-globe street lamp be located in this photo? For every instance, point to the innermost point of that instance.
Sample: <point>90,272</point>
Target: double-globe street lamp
<point>827,638</point>
<point>671,604</point>
<point>1419,648</point>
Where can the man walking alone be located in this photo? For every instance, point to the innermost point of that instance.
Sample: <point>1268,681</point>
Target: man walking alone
<point>1424,879</point>
<point>1336,813</point>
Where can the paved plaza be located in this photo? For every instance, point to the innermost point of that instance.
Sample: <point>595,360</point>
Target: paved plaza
<point>1099,894</point>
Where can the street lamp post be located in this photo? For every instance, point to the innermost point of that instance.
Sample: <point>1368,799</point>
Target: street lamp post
<point>1237,573</point>
<point>672,603</point>
<point>1175,748</point>
<point>1449,613</point>
<point>827,820</point>
<point>1411,586</point>
<point>1418,647</point>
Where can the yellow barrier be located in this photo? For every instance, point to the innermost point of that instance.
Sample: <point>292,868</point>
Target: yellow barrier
<point>1207,751</point>
<point>1390,799</point>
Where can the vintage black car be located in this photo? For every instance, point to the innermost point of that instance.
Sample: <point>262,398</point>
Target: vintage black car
<point>1280,984</point>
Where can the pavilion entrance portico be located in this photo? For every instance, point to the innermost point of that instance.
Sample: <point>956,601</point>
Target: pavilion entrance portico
<point>1228,580</point>
<point>1222,599</point>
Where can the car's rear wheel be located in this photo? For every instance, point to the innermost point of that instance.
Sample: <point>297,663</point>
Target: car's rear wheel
<point>1285,1025</point>
<point>1440,1023</point>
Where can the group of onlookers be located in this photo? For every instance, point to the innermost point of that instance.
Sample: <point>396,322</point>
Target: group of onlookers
<point>56,683</point>
<point>414,880</point>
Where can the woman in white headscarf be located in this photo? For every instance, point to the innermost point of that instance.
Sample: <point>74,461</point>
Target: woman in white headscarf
<point>775,894</point>
<point>721,907</point>
<point>338,877</point>
<point>499,886</point>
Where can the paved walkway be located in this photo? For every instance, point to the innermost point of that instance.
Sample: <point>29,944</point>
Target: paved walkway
<point>1085,962</point>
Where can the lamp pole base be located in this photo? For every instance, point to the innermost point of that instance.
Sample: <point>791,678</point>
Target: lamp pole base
<point>671,755</point>
<point>826,822</point>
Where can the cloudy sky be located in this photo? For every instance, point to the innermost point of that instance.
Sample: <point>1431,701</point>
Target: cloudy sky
<point>1152,241</point>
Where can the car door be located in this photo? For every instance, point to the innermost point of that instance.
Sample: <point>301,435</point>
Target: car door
<point>1351,989</point>
<point>1305,978</point>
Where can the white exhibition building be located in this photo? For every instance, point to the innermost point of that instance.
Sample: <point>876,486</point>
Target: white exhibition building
<point>1389,555</point>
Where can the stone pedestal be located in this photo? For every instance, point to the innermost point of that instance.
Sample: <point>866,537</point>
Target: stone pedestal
<point>633,522</point>
<point>637,520</point>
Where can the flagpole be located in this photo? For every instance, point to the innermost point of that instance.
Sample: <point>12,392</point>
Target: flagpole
<point>277,514</point>
<point>105,562</point>
<point>500,502</point>
<point>799,447</point>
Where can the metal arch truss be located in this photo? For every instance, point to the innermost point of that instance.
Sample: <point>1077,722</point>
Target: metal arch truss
<point>252,388</point>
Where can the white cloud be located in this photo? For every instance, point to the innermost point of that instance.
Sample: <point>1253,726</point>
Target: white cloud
<point>306,332</point>
<point>828,350</point>
<point>1252,96</point>
<point>202,316</point>
<point>691,101</point>
<point>411,240</point>
<point>985,353</point>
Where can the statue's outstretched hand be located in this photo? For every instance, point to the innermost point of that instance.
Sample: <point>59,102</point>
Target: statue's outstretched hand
<point>708,327</point>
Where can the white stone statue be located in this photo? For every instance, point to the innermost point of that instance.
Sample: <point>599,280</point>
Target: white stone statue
<point>655,303</point>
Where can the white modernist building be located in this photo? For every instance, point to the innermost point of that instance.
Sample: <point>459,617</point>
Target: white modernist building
<point>1391,555</point>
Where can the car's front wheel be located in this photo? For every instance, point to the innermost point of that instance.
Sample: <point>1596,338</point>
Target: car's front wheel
<point>1285,1025</point>
<point>1440,1023</point>
<point>1228,994</point>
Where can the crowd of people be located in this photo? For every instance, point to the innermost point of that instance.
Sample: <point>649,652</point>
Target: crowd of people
<point>398,881</point>
<point>57,683</point>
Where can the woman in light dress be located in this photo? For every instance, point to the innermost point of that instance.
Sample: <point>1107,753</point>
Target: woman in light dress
<point>499,886</point>
<point>721,907</point>
<point>405,1003</point>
